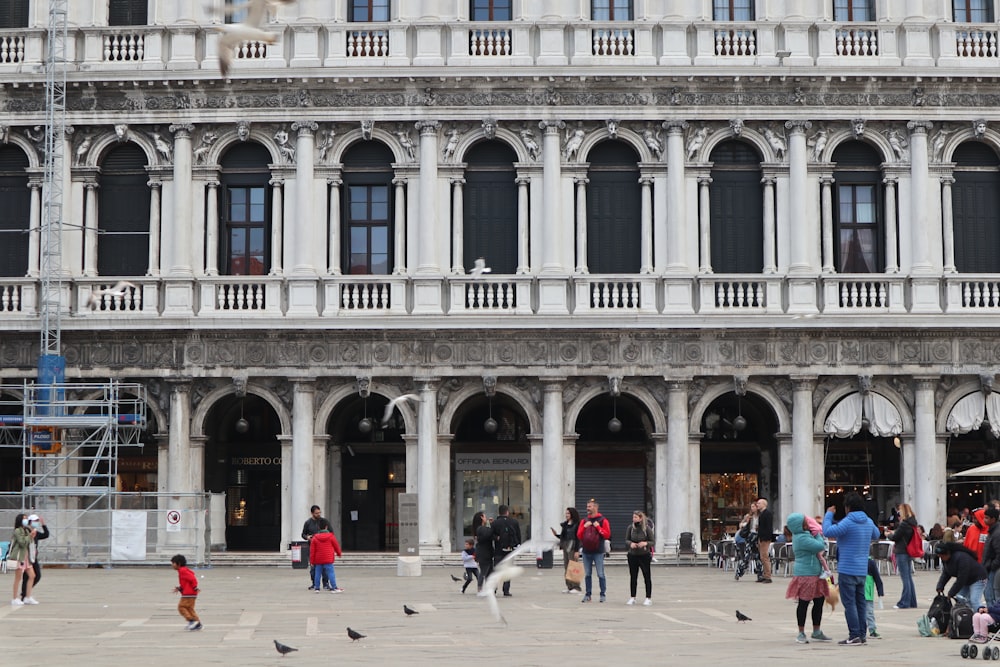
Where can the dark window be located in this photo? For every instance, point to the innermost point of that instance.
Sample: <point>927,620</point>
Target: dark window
<point>128,12</point>
<point>14,14</point>
<point>490,10</point>
<point>732,10</point>
<point>976,208</point>
<point>15,202</point>
<point>858,226</point>
<point>611,10</point>
<point>236,11</point>
<point>245,211</point>
<point>614,225</point>
<point>490,207</point>
<point>973,11</point>
<point>737,209</point>
<point>853,10</point>
<point>367,209</point>
<point>368,11</point>
<point>123,213</point>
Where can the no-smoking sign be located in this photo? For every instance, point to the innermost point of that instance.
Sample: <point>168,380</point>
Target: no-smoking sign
<point>173,520</point>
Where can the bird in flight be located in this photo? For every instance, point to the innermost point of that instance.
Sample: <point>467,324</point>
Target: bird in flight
<point>409,612</point>
<point>355,635</point>
<point>479,268</point>
<point>741,617</point>
<point>118,290</point>
<point>250,30</point>
<point>282,649</point>
<point>389,409</point>
<point>506,570</point>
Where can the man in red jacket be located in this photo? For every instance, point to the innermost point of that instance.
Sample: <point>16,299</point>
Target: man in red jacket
<point>593,532</point>
<point>322,550</point>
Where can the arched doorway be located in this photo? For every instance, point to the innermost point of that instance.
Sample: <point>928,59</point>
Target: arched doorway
<point>243,461</point>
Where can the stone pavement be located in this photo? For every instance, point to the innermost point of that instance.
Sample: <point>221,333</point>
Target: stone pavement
<point>127,616</point>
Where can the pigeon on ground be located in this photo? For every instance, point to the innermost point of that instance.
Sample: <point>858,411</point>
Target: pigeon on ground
<point>282,649</point>
<point>251,30</point>
<point>389,409</point>
<point>409,612</point>
<point>741,617</point>
<point>454,578</point>
<point>479,268</point>
<point>119,290</point>
<point>355,635</point>
<point>506,570</point>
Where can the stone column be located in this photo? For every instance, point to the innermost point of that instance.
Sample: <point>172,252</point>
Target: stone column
<point>552,462</point>
<point>551,199</point>
<point>660,486</point>
<point>786,471</point>
<point>704,225</point>
<point>919,184</point>
<point>427,481</point>
<point>153,265</point>
<point>948,224</point>
<point>427,243</point>
<point>444,494</point>
<point>677,471</point>
<point>90,231</point>
<point>891,253</point>
<point>34,228</point>
<point>177,251</point>
<point>277,225</point>
<point>770,265</point>
<point>303,434</point>
<point>930,467</point>
<point>646,218</point>
<point>674,242</point>
<point>457,226</point>
<point>798,173</point>
<point>179,438</point>
<point>320,471</point>
<point>399,226</point>
<point>289,531</point>
<point>212,228</point>
<point>581,224</point>
<point>807,494</point>
<point>826,197</point>
<point>333,259</point>
<point>302,237</point>
<point>523,222</point>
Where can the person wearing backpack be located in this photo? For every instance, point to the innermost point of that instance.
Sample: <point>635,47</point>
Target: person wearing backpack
<point>901,537</point>
<point>506,538</point>
<point>593,531</point>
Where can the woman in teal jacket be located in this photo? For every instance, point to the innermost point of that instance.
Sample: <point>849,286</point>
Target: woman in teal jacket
<point>807,584</point>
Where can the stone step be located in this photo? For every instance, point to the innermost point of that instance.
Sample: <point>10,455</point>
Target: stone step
<point>389,559</point>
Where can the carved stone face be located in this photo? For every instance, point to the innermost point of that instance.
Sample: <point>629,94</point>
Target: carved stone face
<point>243,130</point>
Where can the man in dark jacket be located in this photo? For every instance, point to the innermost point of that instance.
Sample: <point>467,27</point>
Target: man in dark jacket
<point>41,533</point>
<point>970,575</point>
<point>506,538</point>
<point>765,535</point>
<point>991,552</point>
<point>310,528</point>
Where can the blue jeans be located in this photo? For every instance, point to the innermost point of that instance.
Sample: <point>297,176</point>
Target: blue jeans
<point>852,596</point>
<point>589,562</point>
<point>324,571</point>
<point>908,598</point>
<point>870,615</point>
<point>974,594</point>
<point>990,593</point>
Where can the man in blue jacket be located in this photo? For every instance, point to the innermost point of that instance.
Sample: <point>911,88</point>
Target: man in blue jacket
<point>854,534</point>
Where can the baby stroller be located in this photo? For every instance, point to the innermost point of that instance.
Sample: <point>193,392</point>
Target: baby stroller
<point>988,647</point>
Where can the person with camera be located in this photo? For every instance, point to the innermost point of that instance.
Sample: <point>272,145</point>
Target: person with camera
<point>37,523</point>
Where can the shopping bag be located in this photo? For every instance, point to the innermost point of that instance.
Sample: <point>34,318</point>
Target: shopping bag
<point>574,572</point>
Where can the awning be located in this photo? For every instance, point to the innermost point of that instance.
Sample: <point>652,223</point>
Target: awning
<point>988,470</point>
<point>969,413</point>
<point>845,418</point>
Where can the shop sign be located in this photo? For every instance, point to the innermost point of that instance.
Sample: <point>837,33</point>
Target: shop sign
<point>492,461</point>
<point>409,525</point>
<point>256,461</point>
<point>137,464</point>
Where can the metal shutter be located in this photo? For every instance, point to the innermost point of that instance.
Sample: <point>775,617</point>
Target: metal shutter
<point>620,491</point>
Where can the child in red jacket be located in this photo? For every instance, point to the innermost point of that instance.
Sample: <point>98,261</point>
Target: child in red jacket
<point>188,588</point>
<point>322,548</point>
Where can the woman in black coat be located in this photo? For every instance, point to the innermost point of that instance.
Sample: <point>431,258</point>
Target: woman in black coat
<point>484,546</point>
<point>969,574</point>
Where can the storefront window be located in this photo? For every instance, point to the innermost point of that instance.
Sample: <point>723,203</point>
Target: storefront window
<point>488,481</point>
<point>725,498</point>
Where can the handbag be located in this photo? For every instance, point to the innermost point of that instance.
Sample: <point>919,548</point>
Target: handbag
<point>574,572</point>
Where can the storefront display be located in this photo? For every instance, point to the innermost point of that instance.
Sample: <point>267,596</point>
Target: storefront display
<point>725,498</point>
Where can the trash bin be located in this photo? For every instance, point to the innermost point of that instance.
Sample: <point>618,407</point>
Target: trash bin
<point>545,560</point>
<point>299,552</point>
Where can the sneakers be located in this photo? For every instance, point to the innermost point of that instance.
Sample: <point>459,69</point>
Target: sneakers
<point>801,639</point>
<point>853,641</point>
<point>820,637</point>
<point>190,625</point>
<point>647,603</point>
<point>337,590</point>
<point>603,599</point>
<point>16,603</point>
<point>979,639</point>
<point>586,598</point>
<point>312,588</point>
<point>196,626</point>
<point>631,601</point>
<point>30,601</point>
<point>874,635</point>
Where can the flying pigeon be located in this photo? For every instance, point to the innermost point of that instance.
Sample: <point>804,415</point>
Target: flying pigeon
<point>454,578</point>
<point>94,300</point>
<point>409,612</point>
<point>251,30</point>
<point>355,635</point>
<point>389,409</point>
<point>479,268</point>
<point>741,617</point>
<point>282,649</point>
<point>506,570</point>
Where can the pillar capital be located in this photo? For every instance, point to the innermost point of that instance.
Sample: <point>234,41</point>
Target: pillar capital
<point>305,128</point>
<point>675,127</point>
<point>797,126</point>
<point>182,130</point>
<point>919,126</point>
<point>427,127</point>
<point>551,127</point>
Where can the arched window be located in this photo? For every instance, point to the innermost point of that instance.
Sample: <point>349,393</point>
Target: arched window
<point>490,211</point>
<point>737,209</point>
<point>123,213</point>
<point>976,208</point>
<point>614,225</point>
<point>245,211</point>
<point>15,202</point>
<point>859,229</point>
<point>367,209</point>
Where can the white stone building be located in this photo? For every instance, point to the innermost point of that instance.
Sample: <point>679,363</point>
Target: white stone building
<point>747,246</point>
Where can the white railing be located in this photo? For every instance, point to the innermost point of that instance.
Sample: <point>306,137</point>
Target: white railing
<point>976,43</point>
<point>124,47</point>
<point>613,42</point>
<point>252,50</point>
<point>495,295</point>
<point>490,42</point>
<point>857,41</point>
<point>982,294</point>
<point>10,298</point>
<point>740,295</point>
<point>367,43</point>
<point>615,294</point>
<point>11,48</point>
<point>96,296</point>
<point>239,294</point>
<point>365,295</point>
<point>863,293</point>
<point>736,42</point>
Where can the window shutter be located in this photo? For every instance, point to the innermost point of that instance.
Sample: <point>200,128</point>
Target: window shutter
<point>14,14</point>
<point>15,201</point>
<point>737,227</point>
<point>123,213</point>
<point>614,226</point>
<point>975,203</point>
<point>128,12</point>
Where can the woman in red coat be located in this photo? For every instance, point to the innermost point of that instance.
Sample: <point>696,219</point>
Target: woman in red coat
<point>323,549</point>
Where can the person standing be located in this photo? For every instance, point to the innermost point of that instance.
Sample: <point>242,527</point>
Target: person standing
<point>808,583</point>
<point>640,540</point>
<point>19,552</point>
<point>187,586</point>
<point>506,538</point>
<point>904,562</point>
<point>970,576</point>
<point>323,549</point>
<point>469,563</point>
<point>569,543</point>
<point>484,547</point>
<point>751,553</point>
<point>765,535</point>
<point>991,553</point>
<point>310,528</point>
<point>41,533</point>
<point>592,532</point>
<point>854,534</point>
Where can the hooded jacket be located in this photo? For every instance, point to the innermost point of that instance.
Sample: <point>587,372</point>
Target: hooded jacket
<point>322,548</point>
<point>854,534</point>
<point>975,535</point>
<point>964,567</point>
<point>806,546</point>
